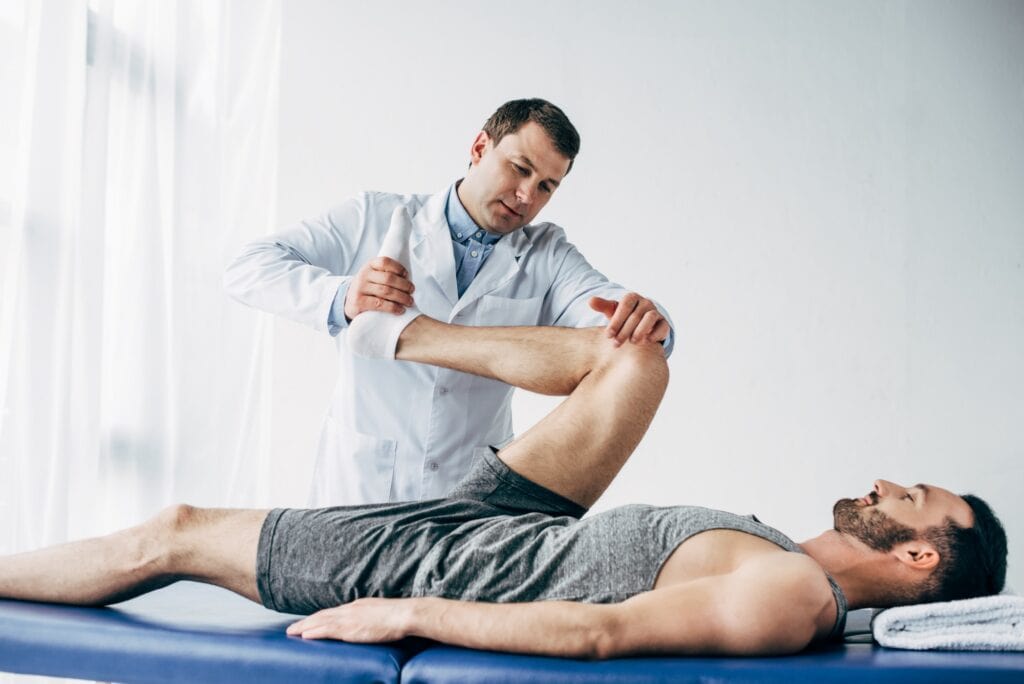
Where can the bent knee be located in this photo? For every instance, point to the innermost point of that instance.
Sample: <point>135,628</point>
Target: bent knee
<point>641,359</point>
<point>150,546</point>
<point>176,518</point>
<point>165,537</point>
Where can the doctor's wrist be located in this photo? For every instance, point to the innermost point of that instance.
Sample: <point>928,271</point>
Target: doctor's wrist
<point>336,319</point>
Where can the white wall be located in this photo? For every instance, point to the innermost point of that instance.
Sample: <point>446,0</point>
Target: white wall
<point>826,196</point>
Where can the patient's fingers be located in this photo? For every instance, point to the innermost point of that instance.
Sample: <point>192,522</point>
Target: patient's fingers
<point>310,621</point>
<point>321,632</point>
<point>367,620</point>
<point>297,627</point>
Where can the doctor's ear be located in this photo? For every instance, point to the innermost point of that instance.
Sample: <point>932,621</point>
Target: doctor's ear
<point>481,144</point>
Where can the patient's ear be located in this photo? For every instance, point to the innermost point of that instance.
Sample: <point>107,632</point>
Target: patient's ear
<point>917,555</point>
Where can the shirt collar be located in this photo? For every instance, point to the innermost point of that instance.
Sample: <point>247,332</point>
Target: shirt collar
<point>461,224</point>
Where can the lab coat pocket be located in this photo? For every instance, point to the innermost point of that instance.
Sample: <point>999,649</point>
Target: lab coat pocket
<point>494,310</point>
<point>352,467</point>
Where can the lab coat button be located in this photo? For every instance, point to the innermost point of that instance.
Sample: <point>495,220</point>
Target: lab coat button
<point>443,390</point>
<point>434,465</point>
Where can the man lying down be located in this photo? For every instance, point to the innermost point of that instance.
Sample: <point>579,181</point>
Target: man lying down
<point>505,562</point>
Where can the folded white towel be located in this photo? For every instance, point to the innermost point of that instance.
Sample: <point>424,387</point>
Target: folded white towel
<point>989,623</point>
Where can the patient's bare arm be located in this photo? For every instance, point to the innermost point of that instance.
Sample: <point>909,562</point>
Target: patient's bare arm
<point>769,606</point>
<point>556,628</point>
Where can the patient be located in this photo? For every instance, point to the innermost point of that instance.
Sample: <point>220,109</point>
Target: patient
<point>505,562</point>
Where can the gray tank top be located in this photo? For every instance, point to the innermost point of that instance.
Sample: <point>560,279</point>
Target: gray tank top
<point>604,558</point>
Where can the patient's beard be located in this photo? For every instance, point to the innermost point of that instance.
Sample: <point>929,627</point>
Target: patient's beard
<point>876,529</point>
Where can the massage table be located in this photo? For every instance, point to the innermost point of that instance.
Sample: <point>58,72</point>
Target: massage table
<point>191,632</point>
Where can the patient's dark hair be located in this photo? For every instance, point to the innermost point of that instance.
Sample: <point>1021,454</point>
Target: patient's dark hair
<point>511,116</point>
<point>973,559</point>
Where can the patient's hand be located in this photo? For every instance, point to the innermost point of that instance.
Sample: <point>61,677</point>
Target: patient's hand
<point>364,621</point>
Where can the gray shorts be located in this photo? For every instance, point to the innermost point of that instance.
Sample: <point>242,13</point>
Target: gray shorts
<point>309,559</point>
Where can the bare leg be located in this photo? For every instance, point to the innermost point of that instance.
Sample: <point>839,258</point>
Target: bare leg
<point>578,449</point>
<point>575,451</point>
<point>217,546</point>
<point>542,360</point>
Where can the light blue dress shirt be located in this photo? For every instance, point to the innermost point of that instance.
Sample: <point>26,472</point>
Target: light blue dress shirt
<point>471,243</point>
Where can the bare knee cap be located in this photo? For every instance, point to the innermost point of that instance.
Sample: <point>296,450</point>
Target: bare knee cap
<point>176,518</point>
<point>642,360</point>
<point>166,535</point>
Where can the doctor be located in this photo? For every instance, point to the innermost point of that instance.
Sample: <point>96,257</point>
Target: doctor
<point>402,431</point>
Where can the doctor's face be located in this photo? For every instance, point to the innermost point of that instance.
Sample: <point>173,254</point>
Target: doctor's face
<point>509,183</point>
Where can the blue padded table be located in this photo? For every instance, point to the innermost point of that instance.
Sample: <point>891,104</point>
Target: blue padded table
<point>856,661</point>
<point>195,633</point>
<point>187,632</point>
<point>845,663</point>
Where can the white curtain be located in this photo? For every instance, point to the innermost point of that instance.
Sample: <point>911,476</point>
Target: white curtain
<point>143,156</point>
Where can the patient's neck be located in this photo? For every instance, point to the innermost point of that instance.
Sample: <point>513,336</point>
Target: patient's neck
<point>864,575</point>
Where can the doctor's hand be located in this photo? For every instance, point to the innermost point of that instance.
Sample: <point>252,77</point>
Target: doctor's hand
<point>633,319</point>
<point>364,621</point>
<point>381,285</point>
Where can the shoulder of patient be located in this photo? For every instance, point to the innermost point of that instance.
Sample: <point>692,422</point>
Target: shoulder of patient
<point>784,571</point>
<point>770,602</point>
<point>769,579</point>
<point>788,586</point>
<point>788,589</point>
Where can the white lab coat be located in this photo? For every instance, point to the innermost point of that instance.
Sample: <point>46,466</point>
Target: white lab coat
<point>397,430</point>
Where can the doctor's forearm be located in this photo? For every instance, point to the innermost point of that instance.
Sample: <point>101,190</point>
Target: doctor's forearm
<point>272,278</point>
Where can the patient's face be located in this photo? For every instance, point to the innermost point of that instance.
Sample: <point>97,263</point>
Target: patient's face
<point>509,183</point>
<point>891,513</point>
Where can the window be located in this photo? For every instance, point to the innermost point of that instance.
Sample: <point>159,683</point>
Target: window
<point>12,65</point>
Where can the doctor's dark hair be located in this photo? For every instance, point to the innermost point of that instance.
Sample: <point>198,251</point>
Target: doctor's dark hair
<point>973,559</point>
<point>513,115</point>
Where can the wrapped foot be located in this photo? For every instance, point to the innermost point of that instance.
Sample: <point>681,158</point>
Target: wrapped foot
<point>374,334</point>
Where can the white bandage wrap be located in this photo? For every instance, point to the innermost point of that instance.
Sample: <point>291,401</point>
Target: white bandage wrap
<point>374,334</point>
